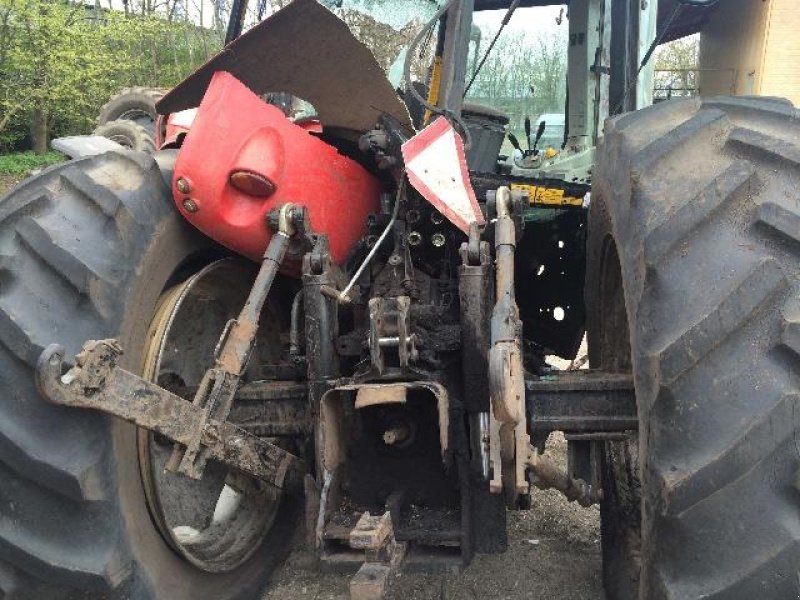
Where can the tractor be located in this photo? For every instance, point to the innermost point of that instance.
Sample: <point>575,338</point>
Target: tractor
<point>332,330</point>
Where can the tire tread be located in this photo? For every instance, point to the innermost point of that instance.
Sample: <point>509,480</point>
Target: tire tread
<point>701,486</point>
<point>57,275</point>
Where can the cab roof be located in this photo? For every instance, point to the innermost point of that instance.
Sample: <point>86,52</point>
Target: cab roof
<point>690,21</point>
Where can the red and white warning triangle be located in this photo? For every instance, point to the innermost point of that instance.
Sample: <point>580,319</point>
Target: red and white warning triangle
<point>437,168</point>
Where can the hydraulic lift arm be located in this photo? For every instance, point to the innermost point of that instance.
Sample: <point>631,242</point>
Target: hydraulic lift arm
<point>200,428</point>
<point>97,382</point>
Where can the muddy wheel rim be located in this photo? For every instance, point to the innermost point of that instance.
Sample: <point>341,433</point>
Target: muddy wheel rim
<point>218,522</point>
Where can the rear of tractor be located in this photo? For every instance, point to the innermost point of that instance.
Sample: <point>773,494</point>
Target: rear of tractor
<point>330,333</point>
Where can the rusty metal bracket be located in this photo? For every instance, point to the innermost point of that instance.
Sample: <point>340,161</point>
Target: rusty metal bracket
<point>508,439</point>
<point>390,338</point>
<point>383,555</point>
<point>214,397</point>
<point>581,401</point>
<point>330,434</point>
<point>97,382</point>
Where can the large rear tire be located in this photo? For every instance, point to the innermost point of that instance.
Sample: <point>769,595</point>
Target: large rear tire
<point>86,249</point>
<point>134,104</point>
<point>699,201</point>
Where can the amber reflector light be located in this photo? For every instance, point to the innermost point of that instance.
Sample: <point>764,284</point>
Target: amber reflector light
<point>251,183</point>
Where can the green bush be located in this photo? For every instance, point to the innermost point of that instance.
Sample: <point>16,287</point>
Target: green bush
<point>22,163</point>
<point>65,60</point>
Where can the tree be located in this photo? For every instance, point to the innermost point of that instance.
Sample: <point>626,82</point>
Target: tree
<point>525,75</point>
<point>676,68</point>
<point>60,62</point>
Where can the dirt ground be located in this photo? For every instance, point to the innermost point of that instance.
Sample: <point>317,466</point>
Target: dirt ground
<point>554,554</point>
<point>7,182</point>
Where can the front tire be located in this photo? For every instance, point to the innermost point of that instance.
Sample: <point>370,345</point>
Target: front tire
<point>702,206</point>
<point>86,249</point>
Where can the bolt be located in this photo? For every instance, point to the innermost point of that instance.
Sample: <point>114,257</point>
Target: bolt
<point>414,238</point>
<point>438,240</point>
<point>437,218</point>
<point>395,435</point>
<point>297,215</point>
<point>190,205</point>
<point>183,185</point>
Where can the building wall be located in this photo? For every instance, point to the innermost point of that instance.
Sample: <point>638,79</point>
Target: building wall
<point>780,72</point>
<point>732,47</point>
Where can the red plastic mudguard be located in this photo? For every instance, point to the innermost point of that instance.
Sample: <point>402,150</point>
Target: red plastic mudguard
<point>235,130</point>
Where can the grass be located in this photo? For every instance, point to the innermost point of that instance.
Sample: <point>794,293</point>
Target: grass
<point>22,163</point>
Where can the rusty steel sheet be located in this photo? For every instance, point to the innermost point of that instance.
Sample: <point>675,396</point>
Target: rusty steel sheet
<point>261,390</point>
<point>371,394</point>
<point>97,382</point>
<point>307,51</point>
<point>274,418</point>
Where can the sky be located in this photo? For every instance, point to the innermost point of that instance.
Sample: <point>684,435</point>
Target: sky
<point>537,18</point>
<point>524,19</point>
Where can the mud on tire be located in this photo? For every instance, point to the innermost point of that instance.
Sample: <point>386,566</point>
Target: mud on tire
<point>86,248</point>
<point>703,204</point>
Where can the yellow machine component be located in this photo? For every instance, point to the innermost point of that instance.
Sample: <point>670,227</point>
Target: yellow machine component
<point>540,195</point>
<point>436,82</point>
<point>550,152</point>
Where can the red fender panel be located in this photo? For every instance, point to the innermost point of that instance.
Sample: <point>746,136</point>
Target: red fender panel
<point>234,131</point>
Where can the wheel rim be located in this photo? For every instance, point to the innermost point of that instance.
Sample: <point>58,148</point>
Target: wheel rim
<point>218,522</point>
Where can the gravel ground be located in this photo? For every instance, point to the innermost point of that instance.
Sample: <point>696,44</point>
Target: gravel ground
<point>554,554</point>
